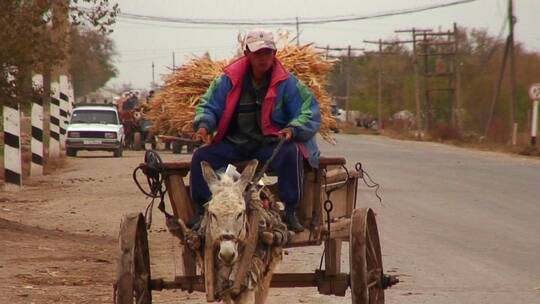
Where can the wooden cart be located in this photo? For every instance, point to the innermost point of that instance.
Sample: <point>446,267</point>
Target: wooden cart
<point>330,220</point>
<point>177,143</point>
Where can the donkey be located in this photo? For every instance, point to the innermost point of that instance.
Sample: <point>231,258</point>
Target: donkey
<point>227,222</point>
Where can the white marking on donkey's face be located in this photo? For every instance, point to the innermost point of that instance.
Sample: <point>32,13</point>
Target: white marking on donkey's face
<point>227,210</point>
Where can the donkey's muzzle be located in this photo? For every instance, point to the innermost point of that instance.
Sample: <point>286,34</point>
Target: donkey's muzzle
<point>227,252</point>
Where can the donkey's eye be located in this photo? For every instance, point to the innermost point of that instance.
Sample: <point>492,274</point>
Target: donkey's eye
<point>214,217</point>
<point>239,215</point>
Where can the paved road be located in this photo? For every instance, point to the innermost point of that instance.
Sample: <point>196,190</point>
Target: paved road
<point>463,226</point>
<point>458,225</point>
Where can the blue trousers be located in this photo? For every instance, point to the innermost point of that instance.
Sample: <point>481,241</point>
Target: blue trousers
<point>287,164</point>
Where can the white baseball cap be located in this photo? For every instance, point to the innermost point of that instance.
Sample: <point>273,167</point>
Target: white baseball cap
<point>258,39</point>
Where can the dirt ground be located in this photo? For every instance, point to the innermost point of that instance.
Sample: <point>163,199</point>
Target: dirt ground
<point>58,237</point>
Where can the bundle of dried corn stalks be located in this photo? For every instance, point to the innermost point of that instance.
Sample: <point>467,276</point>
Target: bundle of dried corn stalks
<point>172,109</point>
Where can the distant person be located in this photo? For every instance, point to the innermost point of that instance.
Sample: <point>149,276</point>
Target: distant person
<point>150,95</point>
<point>130,104</point>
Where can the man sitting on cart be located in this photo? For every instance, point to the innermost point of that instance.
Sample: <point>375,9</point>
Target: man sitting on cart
<point>249,108</point>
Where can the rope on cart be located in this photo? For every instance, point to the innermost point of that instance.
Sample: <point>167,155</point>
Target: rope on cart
<point>370,183</point>
<point>152,169</point>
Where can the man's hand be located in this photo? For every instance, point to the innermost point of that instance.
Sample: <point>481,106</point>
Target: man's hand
<point>286,133</point>
<point>202,135</point>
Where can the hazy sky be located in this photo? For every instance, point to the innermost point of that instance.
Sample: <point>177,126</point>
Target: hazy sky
<point>140,42</point>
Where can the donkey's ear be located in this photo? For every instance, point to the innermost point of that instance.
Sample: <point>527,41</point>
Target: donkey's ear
<point>209,175</point>
<point>247,174</point>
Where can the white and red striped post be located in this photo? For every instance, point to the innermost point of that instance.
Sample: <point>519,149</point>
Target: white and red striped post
<point>36,143</point>
<point>534,94</point>
<point>534,126</point>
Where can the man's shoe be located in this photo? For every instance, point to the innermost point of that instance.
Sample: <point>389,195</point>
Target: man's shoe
<point>293,223</point>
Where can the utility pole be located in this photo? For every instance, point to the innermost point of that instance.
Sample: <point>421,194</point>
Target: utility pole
<point>380,73</point>
<point>458,111</point>
<point>497,90</point>
<point>511,23</point>
<point>419,129</point>
<point>379,54</point>
<point>297,32</point>
<point>379,90</point>
<point>348,100</point>
<point>348,70</point>
<point>327,51</point>
<point>173,62</point>
<point>427,97</point>
<point>441,45</point>
<point>153,75</point>
<point>418,102</point>
<point>508,52</point>
<point>417,97</point>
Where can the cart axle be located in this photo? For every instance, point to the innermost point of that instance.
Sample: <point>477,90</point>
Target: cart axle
<point>326,284</point>
<point>389,281</point>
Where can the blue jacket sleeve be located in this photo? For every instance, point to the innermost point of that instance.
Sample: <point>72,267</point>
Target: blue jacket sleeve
<point>304,109</point>
<point>212,103</point>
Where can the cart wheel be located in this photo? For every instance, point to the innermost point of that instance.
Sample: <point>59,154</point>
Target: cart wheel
<point>365,259</point>
<point>133,269</point>
<point>137,141</point>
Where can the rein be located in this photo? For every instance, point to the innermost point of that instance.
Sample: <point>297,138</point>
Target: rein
<point>260,174</point>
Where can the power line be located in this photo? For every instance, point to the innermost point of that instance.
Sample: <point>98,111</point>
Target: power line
<point>141,59</point>
<point>189,26</point>
<point>135,52</point>
<point>148,58</point>
<point>289,21</point>
<point>328,48</point>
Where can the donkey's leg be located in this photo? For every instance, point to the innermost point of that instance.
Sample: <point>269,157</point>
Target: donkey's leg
<point>264,287</point>
<point>262,291</point>
<point>246,297</point>
<point>223,275</point>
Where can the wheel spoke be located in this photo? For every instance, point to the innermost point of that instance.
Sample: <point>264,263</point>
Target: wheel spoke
<point>372,284</point>
<point>372,258</point>
<point>142,275</point>
<point>376,297</point>
<point>371,249</point>
<point>374,281</point>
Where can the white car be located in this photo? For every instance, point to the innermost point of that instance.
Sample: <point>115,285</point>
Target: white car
<point>95,128</point>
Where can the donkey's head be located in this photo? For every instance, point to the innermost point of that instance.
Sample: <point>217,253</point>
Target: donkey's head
<point>227,218</point>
